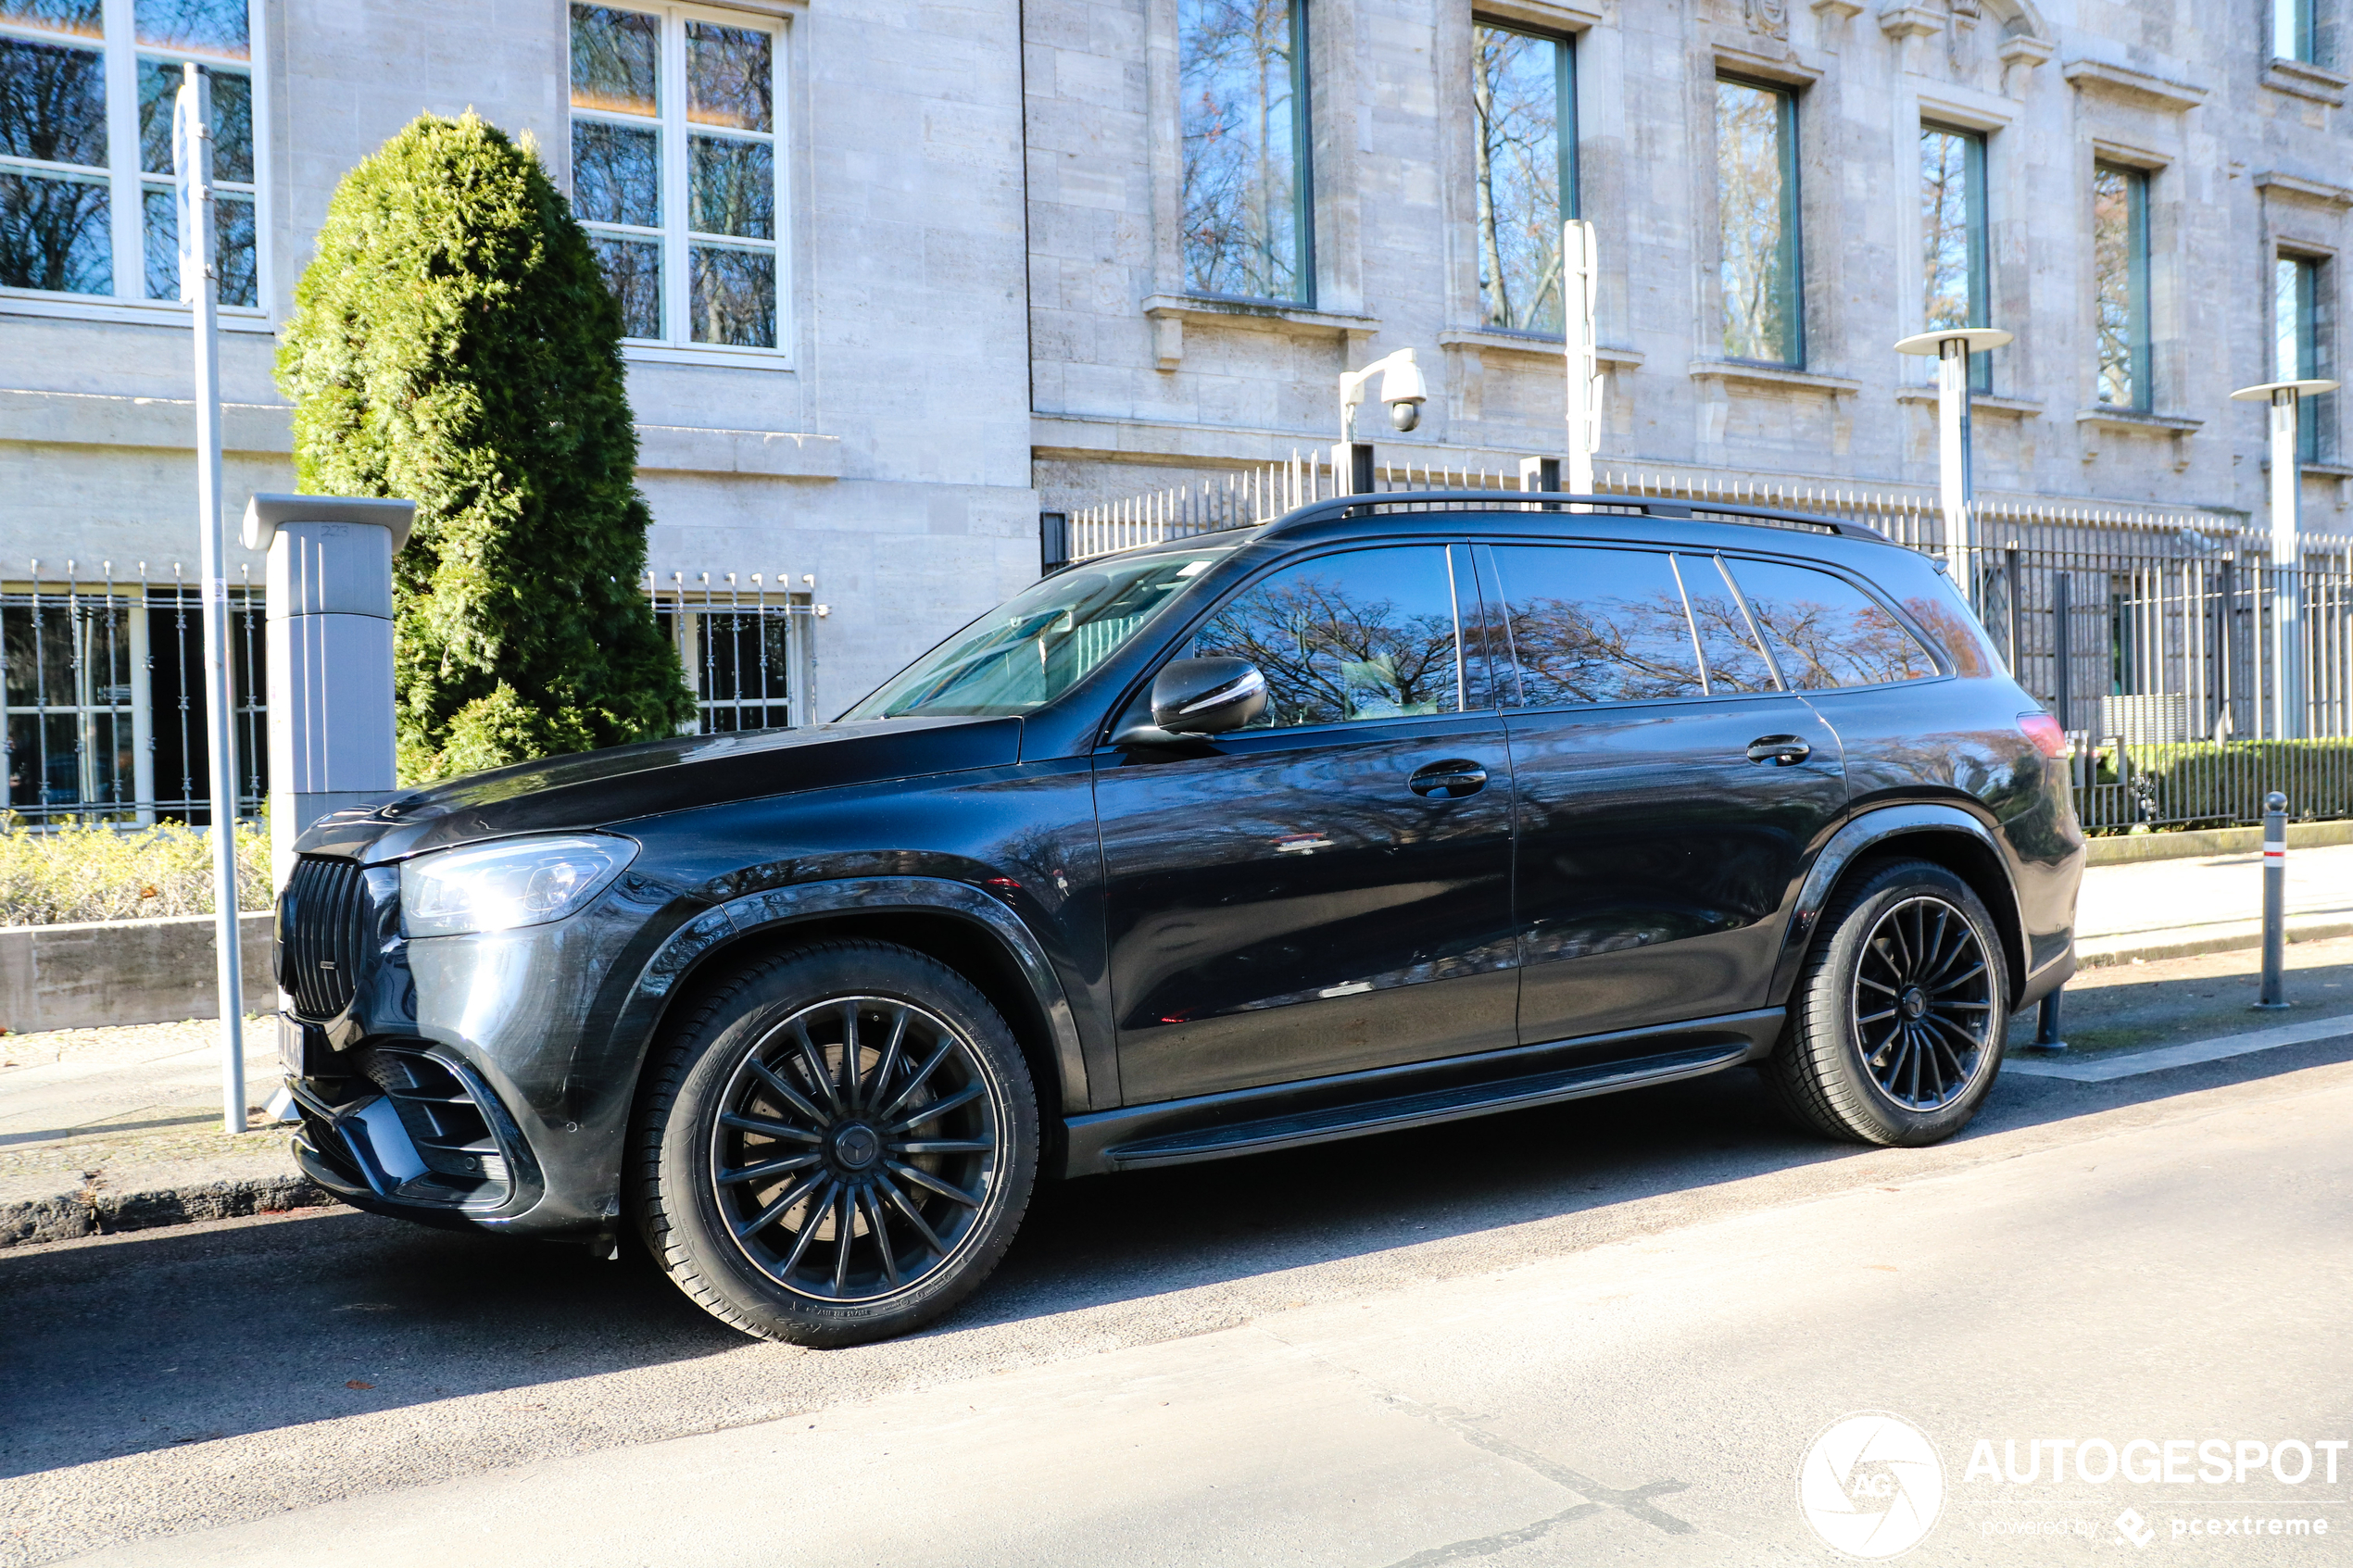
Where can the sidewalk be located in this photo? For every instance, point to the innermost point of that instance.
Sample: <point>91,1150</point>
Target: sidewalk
<point>2174,909</point>
<point>118,1129</point>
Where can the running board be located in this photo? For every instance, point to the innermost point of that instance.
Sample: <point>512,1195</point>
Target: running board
<point>1424,1109</point>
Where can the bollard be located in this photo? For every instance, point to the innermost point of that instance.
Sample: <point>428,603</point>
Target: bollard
<point>2047,1026</point>
<point>2275,901</point>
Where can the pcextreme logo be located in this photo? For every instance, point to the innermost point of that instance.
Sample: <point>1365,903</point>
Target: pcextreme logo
<point>1871,1484</point>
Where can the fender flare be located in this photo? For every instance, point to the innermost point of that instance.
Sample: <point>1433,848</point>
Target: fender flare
<point>1869,830</point>
<point>776,908</point>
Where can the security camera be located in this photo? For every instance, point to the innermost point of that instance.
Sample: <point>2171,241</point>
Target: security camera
<point>1401,387</point>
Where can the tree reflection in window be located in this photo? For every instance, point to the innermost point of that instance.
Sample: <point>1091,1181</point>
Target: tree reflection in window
<point>1521,106</point>
<point>1825,631</point>
<point>1597,626</point>
<point>1756,206</point>
<point>1367,634</point>
<point>2120,283</point>
<point>1241,79</point>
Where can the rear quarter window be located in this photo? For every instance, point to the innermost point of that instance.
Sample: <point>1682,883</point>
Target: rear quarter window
<point>1826,633</point>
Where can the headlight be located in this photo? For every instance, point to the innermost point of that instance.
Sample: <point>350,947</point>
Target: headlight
<point>514,882</point>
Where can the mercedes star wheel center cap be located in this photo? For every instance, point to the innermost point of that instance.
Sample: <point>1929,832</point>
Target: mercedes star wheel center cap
<point>856,1146</point>
<point>1914,1001</point>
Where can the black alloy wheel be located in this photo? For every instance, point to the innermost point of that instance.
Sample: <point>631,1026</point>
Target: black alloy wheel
<point>1897,1022</point>
<point>856,1147</point>
<point>1923,1003</point>
<point>834,1145</point>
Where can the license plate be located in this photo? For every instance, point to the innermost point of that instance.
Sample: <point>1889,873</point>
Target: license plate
<point>290,1059</point>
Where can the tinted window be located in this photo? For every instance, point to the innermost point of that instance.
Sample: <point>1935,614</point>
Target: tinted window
<point>1825,631</point>
<point>1366,634</point>
<point>1596,625</point>
<point>1726,642</point>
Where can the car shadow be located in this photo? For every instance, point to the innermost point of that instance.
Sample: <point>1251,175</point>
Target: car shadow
<point>191,1334</point>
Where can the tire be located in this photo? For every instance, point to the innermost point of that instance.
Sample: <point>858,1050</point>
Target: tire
<point>762,1142</point>
<point>1897,1023</point>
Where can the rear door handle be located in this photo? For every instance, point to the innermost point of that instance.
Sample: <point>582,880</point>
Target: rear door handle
<point>1780,750</point>
<point>1453,779</point>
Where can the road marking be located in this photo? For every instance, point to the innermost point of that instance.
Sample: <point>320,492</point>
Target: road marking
<point>2187,1054</point>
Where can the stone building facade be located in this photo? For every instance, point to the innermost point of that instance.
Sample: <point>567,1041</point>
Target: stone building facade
<point>987,298</point>
<point>2241,157</point>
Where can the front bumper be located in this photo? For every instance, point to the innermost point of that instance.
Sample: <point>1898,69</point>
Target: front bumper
<point>412,1130</point>
<point>482,1080</point>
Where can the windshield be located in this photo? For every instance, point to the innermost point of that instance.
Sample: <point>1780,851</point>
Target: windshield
<point>1033,648</point>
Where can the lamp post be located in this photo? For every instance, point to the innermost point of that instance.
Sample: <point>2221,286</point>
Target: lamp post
<point>200,289</point>
<point>1956,489</point>
<point>2287,550</point>
<point>1581,343</point>
<point>1401,388</point>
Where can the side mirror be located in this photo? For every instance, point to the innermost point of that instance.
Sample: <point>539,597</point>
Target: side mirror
<point>1204,696</point>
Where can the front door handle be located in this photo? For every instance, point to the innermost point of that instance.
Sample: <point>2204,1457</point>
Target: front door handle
<point>1453,779</point>
<point>1780,750</point>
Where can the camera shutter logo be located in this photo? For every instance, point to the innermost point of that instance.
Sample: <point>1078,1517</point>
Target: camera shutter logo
<point>1871,1484</point>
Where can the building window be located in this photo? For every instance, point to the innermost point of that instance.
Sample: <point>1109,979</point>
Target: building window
<point>1241,67</point>
<point>676,167</point>
<point>1524,98</point>
<point>1756,199</point>
<point>2292,34</point>
<point>1956,277</point>
<point>2120,283</point>
<point>86,94</point>
<point>2299,311</point>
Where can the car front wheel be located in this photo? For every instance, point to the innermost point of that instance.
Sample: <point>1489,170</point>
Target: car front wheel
<point>836,1145</point>
<point>1895,1026</point>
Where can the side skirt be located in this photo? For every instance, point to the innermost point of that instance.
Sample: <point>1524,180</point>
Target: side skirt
<point>1422,1094</point>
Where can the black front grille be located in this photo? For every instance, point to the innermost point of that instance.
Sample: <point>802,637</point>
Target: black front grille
<point>321,932</point>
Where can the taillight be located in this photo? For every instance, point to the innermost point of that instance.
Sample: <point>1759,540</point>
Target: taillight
<point>2044,731</point>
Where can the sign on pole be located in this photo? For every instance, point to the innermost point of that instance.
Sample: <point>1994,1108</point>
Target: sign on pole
<point>1580,284</point>
<point>200,288</point>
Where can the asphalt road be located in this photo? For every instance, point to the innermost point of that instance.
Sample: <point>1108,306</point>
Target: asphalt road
<point>1606,1331</point>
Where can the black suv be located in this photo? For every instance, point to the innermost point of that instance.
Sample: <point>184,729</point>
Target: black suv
<point>1395,810</point>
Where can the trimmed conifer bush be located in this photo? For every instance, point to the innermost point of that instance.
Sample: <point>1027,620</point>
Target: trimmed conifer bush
<point>453,341</point>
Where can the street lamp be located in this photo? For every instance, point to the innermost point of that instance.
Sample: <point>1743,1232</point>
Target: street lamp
<point>1951,346</point>
<point>2287,583</point>
<point>1401,388</point>
<point>191,155</point>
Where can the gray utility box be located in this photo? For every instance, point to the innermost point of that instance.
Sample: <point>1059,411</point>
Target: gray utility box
<point>330,655</point>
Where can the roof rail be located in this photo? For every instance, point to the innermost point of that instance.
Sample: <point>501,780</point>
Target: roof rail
<point>1555,500</point>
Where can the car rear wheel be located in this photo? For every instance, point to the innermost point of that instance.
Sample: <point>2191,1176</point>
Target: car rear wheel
<point>836,1145</point>
<point>1895,1027</point>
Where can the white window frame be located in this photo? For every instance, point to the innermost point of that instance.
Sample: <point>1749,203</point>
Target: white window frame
<point>676,346</point>
<point>127,183</point>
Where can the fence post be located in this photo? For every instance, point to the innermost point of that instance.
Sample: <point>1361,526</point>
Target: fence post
<point>2275,901</point>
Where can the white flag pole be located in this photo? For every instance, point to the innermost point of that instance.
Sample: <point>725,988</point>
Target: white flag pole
<point>1581,282</point>
<point>200,288</point>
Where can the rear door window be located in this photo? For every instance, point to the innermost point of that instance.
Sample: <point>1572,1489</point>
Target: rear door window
<point>1358,635</point>
<point>1595,625</point>
<point>1825,631</point>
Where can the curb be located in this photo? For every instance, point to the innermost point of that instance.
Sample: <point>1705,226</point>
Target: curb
<point>2138,849</point>
<point>74,1215</point>
<point>2221,942</point>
